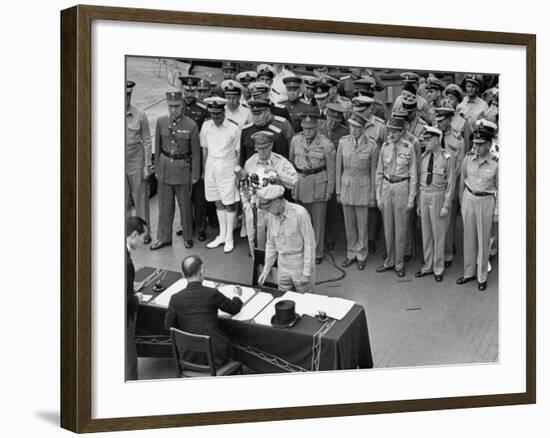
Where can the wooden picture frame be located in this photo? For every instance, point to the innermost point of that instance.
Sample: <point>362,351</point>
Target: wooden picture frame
<point>76,217</point>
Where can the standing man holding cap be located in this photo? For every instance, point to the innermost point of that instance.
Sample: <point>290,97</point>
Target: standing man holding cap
<point>437,184</point>
<point>313,156</point>
<point>396,179</point>
<point>137,160</point>
<point>290,241</point>
<point>178,168</point>
<point>479,199</point>
<point>220,139</point>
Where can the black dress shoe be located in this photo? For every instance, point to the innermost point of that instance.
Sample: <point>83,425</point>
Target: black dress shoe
<point>318,260</point>
<point>179,232</point>
<point>202,236</point>
<point>448,263</point>
<point>147,239</point>
<point>421,273</point>
<point>438,277</point>
<point>188,244</point>
<point>463,280</point>
<point>384,268</point>
<point>400,273</point>
<point>407,257</point>
<point>372,246</point>
<point>361,264</point>
<point>347,262</point>
<point>159,245</point>
<point>482,285</point>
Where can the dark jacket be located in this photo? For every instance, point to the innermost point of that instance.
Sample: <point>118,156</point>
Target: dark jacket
<point>132,300</point>
<point>195,310</point>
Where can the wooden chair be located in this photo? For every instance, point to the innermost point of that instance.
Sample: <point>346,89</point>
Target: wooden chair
<point>185,341</point>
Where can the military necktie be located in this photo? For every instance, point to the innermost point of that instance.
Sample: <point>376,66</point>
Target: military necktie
<point>430,169</point>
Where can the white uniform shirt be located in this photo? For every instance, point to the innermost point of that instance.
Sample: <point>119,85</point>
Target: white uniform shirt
<point>221,142</point>
<point>241,116</point>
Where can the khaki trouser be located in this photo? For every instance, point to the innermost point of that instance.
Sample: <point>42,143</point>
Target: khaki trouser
<point>477,215</point>
<point>318,214</point>
<point>434,230</point>
<point>137,194</point>
<point>289,271</point>
<point>166,193</point>
<point>356,219</point>
<point>261,233</point>
<point>394,199</point>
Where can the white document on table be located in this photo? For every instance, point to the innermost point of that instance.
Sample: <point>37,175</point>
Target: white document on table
<point>334,307</point>
<point>229,291</point>
<point>163,299</point>
<point>253,307</point>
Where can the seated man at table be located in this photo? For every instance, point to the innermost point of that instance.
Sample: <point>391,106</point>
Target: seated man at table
<point>195,310</point>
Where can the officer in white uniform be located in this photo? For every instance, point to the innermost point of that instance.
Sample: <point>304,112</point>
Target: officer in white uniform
<point>220,139</point>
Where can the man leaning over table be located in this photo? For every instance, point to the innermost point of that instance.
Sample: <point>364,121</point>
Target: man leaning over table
<point>290,241</point>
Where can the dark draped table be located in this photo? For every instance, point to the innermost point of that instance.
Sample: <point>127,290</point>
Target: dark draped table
<point>309,345</point>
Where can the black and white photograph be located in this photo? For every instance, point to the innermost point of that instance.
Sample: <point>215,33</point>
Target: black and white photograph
<point>286,218</point>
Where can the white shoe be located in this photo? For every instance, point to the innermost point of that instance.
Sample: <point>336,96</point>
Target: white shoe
<point>219,240</point>
<point>230,217</point>
<point>228,247</point>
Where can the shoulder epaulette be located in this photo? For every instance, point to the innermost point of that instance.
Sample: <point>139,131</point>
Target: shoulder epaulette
<point>407,142</point>
<point>345,78</point>
<point>280,119</point>
<point>305,101</point>
<point>422,121</point>
<point>201,105</point>
<point>278,105</point>
<point>233,121</point>
<point>275,128</point>
<point>378,119</point>
<point>248,125</point>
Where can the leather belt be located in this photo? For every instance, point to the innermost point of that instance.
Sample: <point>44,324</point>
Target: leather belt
<point>174,156</point>
<point>479,193</point>
<point>307,172</point>
<point>395,179</point>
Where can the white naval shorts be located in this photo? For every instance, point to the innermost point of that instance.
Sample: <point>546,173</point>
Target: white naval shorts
<point>219,181</point>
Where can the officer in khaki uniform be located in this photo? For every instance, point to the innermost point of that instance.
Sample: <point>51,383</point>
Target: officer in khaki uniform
<point>266,165</point>
<point>396,179</point>
<point>138,160</point>
<point>437,185</point>
<point>313,156</point>
<point>472,106</point>
<point>334,129</point>
<point>375,129</point>
<point>196,110</point>
<point>290,241</point>
<point>459,124</point>
<point>356,162</point>
<point>454,144</point>
<point>479,199</point>
<point>178,168</point>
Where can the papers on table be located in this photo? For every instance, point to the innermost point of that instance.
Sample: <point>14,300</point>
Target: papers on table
<point>308,304</point>
<point>334,307</point>
<point>163,299</point>
<point>252,307</point>
<point>229,291</point>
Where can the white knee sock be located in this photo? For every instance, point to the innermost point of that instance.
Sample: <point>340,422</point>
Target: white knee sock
<point>230,217</point>
<point>220,239</point>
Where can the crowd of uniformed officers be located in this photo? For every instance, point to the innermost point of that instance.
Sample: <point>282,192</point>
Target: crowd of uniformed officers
<point>397,173</point>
